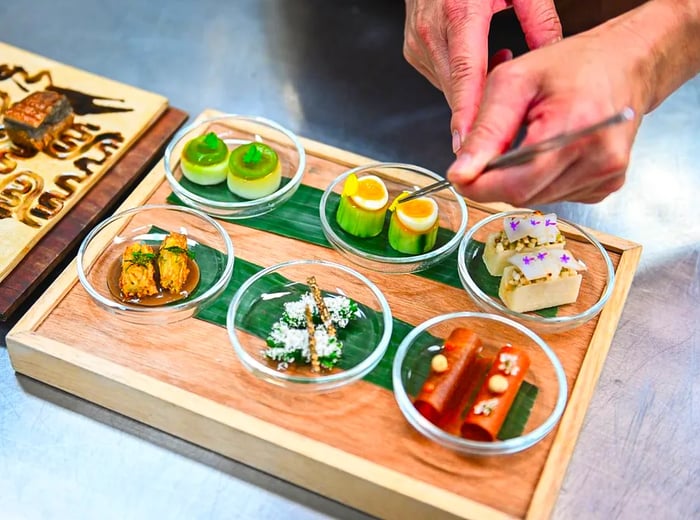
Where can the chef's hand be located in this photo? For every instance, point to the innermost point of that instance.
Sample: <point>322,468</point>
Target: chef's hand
<point>562,87</point>
<point>447,42</point>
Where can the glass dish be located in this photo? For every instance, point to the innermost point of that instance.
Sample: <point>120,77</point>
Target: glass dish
<point>259,303</point>
<point>376,253</point>
<point>596,284</point>
<point>545,374</point>
<point>101,251</point>
<point>235,130</point>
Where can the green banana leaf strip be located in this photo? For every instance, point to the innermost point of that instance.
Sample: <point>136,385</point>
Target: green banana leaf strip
<point>261,323</point>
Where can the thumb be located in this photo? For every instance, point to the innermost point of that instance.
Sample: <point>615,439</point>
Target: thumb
<point>504,107</point>
<point>539,21</point>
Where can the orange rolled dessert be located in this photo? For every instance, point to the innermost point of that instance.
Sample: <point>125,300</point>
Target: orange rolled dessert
<point>443,389</point>
<point>496,395</point>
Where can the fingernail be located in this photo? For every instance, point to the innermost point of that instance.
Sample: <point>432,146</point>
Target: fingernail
<point>456,141</point>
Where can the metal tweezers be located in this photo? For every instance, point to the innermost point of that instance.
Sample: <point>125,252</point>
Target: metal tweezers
<point>528,153</point>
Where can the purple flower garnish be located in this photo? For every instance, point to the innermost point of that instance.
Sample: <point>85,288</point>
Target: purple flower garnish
<point>541,255</point>
<point>565,258</point>
<point>549,222</point>
<point>527,260</point>
<point>534,222</point>
<point>514,224</point>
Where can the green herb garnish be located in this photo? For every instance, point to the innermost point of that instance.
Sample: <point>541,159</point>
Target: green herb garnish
<point>211,141</point>
<point>141,258</point>
<point>177,250</point>
<point>253,155</point>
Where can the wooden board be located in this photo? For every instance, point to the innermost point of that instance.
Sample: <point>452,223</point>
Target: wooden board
<point>352,445</point>
<point>104,196</point>
<point>37,190</point>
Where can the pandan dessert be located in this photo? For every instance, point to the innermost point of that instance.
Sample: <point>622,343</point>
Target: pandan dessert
<point>413,225</point>
<point>363,205</point>
<point>204,160</point>
<point>254,171</point>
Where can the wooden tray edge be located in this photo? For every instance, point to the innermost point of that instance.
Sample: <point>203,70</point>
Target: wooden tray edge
<point>547,489</point>
<point>234,434</point>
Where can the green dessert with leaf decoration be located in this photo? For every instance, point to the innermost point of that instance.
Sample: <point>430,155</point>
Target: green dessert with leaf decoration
<point>255,171</point>
<point>204,160</point>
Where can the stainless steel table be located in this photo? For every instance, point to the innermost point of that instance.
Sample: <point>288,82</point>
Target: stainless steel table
<point>333,71</point>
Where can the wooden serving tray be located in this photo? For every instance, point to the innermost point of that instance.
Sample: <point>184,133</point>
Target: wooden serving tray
<point>352,445</point>
<point>38,190</point>
<point>104,196</point>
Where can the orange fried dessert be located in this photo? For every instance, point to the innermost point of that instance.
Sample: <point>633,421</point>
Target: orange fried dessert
<point>137,277</point>
<point>38,119</point>
<point>173,262</point>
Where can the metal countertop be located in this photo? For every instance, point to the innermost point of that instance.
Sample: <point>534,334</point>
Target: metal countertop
<point>334,72</point>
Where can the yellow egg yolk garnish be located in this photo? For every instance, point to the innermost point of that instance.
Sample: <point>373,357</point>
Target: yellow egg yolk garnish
<point>370,193</point>
<point>419,214</point>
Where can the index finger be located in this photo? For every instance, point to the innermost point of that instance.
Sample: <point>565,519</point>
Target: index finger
<point>467,50</point>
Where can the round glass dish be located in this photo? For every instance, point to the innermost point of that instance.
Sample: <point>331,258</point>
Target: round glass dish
<point>235,130</point>
<point>545,378</point>
<point>375,253</point>
<point>596,283</point>
<point>100,254</point>
<point>259,304</point>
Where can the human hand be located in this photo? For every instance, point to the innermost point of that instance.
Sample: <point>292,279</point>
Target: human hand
<point>559,88</point>
<point>447,42</point>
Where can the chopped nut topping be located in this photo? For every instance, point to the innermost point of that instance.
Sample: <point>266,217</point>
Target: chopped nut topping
<point>498,384</point>
<point>439,363</point>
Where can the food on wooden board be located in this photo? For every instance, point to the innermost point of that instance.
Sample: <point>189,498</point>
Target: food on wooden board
<point>443,389</point>
<point>138,272</point>
<point>521,234</point>
<point>254,171</point>
<point>151,278</point>
<point>541,279</point>
<point>173,262</point>
<point>413,225</point>
<point>306,333</point>
<point>496,394</point>
<point>458,398</point>
<point>362,207</point>
<point>35,121</point>
<point>205,160</point>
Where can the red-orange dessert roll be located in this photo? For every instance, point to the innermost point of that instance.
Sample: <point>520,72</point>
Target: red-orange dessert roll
<point>496,395</point>
<point>442,390</point>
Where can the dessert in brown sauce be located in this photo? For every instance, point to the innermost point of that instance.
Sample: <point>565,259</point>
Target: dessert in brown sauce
<point>38,119</point>
<point>144,277</point>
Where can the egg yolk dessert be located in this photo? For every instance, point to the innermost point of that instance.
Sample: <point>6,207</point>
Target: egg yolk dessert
<point>413,225</point>
<point>204,160</point>
<point>363,205</point>
<point>254,171</point>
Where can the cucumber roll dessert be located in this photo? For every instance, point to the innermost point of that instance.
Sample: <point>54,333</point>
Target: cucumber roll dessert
<point>362,207</point>
<point>413,225</point>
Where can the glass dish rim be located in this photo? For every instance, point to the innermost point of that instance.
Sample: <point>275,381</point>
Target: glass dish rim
<point>143,310</point>
<point>293,183</point>
<point>425,427</point>
<point>444,250</point>
<point>475,292</point>
<point>346,376</point>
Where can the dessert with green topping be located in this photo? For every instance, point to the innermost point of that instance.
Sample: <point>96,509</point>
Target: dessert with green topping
<point>205,160</point>
<point>254,171</point>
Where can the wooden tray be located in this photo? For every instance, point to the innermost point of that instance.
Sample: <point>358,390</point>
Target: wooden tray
<point>38,190</point>
<point>64,237</point>
<point>353,445</point>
